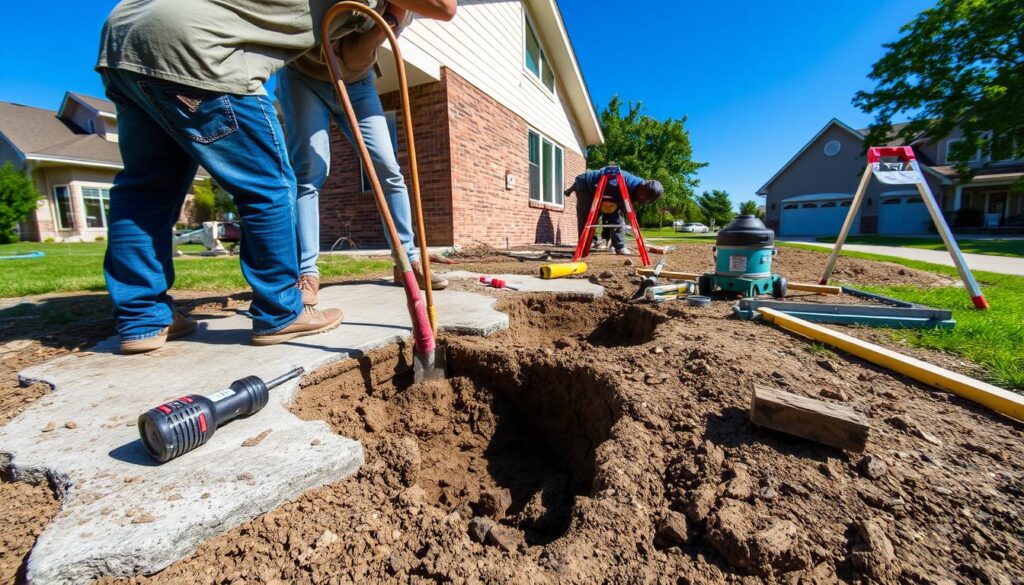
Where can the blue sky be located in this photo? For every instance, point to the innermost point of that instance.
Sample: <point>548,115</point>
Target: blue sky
<point>756,78</point>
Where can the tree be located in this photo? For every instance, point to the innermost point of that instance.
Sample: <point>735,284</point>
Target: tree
<point>958,63</point>
<point>211,200</point>
<point>750,208</point>
<point>652,149</point>
<point>18,198</point>
<point>716,207</point>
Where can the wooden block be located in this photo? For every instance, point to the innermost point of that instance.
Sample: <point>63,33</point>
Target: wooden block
<point>835,425</point>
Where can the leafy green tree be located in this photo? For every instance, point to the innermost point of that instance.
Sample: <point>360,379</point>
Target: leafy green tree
<point>716,207</point>
<point>652,149</point>
<point>211,200</point>
<point>750,208</point>
<point>18,198</point>
<point>958,63</point>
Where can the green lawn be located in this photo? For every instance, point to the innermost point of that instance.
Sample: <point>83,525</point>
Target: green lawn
<point>994,338</point>
<point>79,267</point>
<point>1013,248</point>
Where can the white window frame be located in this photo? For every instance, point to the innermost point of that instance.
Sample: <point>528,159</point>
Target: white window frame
<point>542,60</point>
<point>557,181</point>
<point>364,180</point>
<point>56,207</point>
<point>81,193</point>
<point>977,155</point>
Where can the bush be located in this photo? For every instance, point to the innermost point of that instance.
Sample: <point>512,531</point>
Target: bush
<point>18,199</point>
<point>49,240</point>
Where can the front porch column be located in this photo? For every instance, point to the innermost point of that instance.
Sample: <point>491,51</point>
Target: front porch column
<point>957,197</point>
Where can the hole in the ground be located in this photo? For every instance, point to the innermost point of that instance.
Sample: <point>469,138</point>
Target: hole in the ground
<point>543,321</point>
<point>495,424</point>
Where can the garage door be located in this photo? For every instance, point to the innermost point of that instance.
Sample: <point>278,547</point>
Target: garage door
<point>904,214</point>
<point>823,218</point>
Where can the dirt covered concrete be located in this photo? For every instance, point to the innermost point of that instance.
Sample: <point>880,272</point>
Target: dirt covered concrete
<point>604,442</point>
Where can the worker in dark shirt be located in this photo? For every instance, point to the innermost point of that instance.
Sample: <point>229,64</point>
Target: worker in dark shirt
<point>585,186</point>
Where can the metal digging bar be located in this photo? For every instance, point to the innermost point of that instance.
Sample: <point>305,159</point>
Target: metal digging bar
<point>428,362</point>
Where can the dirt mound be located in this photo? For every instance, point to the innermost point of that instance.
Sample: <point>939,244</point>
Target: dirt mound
<point>600,442</point>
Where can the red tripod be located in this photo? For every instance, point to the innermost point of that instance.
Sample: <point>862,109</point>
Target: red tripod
<point>583,247</point>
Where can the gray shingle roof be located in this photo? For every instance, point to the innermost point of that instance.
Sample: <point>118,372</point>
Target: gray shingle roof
<point>41,132</point>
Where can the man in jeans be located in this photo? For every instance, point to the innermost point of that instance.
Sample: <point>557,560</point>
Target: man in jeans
<point>308,101</point>
<point>610,210</point>
<point>189,93</point>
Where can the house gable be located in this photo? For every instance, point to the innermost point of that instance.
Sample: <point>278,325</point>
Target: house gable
<point>484,44</point>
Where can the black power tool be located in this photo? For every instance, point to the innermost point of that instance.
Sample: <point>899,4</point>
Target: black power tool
<point>173,429</point>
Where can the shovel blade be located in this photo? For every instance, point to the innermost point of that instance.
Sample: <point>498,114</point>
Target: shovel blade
<point>430,365</point>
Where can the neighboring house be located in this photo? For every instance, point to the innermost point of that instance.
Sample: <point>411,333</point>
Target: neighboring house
<point>812,193</point>
<point>72,156</point>
<point>502,118</point>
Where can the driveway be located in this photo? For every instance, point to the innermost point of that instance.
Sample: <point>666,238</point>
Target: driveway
<point>999,264</point>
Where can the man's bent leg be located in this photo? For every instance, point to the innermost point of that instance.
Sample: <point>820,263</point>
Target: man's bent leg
<point>308,121</point>
<point>377,136</point>
<point>145,203</point>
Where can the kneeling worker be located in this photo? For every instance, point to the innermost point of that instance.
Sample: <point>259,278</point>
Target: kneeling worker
<point>585,186</point>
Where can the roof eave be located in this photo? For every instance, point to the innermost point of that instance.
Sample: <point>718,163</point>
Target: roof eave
<point>549,20</point>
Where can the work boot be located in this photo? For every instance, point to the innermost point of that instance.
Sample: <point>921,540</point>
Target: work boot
<point>181,326</point>
<point>437,282</point>
<point>309,284</point>
<point>623,252</point>
<point>310,322</point>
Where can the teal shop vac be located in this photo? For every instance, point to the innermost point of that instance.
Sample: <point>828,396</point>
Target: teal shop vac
<point>743,261</point>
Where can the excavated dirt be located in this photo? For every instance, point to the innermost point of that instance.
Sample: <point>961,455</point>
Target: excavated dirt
<point>606,442</point>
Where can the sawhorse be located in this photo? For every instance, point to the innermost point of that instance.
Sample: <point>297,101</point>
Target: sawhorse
<point>590,228</point>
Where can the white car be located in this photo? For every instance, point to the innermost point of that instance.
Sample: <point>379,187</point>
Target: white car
<point>693,228</point>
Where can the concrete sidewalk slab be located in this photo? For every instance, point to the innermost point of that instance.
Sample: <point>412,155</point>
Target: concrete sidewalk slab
<point>983,262</point>
<point>121,513</point>
<point>576,287</point>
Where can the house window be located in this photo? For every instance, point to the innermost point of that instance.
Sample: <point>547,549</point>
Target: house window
<point>364,179</point>
<point>534,59</point>
<point>949,146</point>
<point>62,198</point>
<point>546,161</point>
<point>96,201</point>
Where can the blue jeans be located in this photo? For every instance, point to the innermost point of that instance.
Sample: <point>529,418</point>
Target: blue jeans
<point>165,130</point>
<point>307,105</point>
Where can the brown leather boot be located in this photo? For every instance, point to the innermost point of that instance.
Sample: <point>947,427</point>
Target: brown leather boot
<point>437,282</point>
<point>309,284</point>
<point>181,326</point>
<point>310,322</point>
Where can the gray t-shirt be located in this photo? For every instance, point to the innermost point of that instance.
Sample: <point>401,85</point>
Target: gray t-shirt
<point>231,46</point>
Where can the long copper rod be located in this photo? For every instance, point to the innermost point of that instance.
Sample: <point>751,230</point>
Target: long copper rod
<point>397,251</point>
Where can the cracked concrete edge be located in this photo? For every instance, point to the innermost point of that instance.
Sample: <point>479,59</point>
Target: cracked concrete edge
<point>135,562</point>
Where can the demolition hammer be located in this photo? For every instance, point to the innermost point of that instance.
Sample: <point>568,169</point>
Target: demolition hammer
<point>179,426</point>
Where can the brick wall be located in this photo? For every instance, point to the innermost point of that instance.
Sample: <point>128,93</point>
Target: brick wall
<point>465,143</point>
<point>489,141</point>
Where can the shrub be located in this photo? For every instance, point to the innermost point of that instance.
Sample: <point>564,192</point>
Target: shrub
<point>18,198</point>
<point>969,217</point>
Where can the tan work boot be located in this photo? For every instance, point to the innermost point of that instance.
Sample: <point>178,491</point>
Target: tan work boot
<point>181,326</point>
<point>437,282</point>
<point>309,284</point>
<point>310,322</point>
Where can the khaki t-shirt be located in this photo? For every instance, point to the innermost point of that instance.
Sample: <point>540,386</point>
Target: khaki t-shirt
<point>231,46</point>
